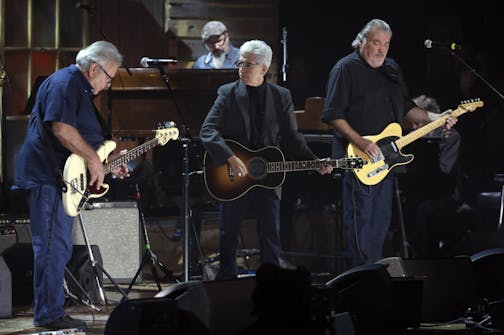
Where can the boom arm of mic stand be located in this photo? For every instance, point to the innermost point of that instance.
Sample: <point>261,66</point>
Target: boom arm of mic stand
<point>473,71</point>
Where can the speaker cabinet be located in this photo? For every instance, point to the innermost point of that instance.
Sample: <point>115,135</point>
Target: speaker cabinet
<point>14,229</point>
<point>5,290</point>
<point>145,316</point>
<point>19,259</point>
<point>222,307</point>
<point>449,284</point>
<point>115,228</point>
<point>366,291</point>
<point>489,269</point>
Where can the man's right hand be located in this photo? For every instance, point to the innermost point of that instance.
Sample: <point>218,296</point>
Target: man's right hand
<point>237,166</point>
<point>96,173</point>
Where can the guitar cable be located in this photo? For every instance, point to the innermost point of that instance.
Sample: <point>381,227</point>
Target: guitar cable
<point>362,255</point>
<point>85,197</point>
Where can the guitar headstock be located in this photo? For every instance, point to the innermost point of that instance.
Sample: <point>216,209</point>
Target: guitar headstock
<point>351,163</point>
<point>471,105</point>
<point>166,131</point>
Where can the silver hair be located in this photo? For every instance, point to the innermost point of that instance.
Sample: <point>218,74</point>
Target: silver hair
<point>100,52</point>
<point>259,48</point>
<point>371,26</point>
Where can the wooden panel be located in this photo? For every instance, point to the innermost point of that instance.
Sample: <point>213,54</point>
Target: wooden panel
<point>139,100</point>
<point>234,11</point>
<point>310,117</point>
<point>238,28</point>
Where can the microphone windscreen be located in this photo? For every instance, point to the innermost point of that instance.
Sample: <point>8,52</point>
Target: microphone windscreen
<point>144,62</point>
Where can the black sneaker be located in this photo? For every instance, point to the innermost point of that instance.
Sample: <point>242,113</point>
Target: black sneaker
<point>66,322</point>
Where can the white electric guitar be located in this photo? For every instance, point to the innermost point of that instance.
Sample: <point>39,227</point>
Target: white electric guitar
<point>75,174</point>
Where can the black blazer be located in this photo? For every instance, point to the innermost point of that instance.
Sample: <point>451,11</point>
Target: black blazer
<point>229,119</point>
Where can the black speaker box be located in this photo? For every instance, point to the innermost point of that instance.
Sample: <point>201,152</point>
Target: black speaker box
<point>81,277</point>
<point>449,284</point>
<point>145,316</point>
<point>19,259</point>
<point>14,229</point>
<point>5,290</point>
<point>223,307</point>
<point>489,270</point>
<point>366,291</point>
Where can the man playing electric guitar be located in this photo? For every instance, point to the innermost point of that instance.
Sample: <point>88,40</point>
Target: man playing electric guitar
<point>64,120</point>
<point>365,93</point>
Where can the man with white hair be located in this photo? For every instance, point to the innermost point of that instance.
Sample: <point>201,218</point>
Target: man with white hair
<point>63,121</point>
<point>254,113</point>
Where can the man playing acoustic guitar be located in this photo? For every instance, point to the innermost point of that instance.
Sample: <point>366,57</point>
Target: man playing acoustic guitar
<point>365,93</point>
<point>255,114</point>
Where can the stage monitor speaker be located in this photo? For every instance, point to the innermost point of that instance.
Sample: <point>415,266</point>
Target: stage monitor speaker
<point>366,291</point>
<point>145,316</point>
<point>82,273</point>
<point>5,290</point>
<point>223,307</point>
<point>449,284</point>
<point>489,270</point>
<point>115,228</point>
<point>19,259</point>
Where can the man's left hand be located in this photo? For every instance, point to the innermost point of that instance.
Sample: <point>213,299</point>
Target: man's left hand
<point>122,171</point>
<point>326,168</point>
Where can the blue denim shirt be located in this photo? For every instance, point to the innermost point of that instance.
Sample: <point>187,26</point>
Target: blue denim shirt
<point>65,96</point>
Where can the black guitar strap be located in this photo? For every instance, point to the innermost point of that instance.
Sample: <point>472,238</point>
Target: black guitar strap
<point>50,153</point>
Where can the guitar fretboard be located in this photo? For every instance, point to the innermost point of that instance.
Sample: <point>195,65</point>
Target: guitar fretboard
<point>343,163</point>
<point>130,155</point>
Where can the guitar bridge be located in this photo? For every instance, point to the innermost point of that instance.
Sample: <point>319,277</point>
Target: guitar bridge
<point>74,186</point>
<point>230,173</point>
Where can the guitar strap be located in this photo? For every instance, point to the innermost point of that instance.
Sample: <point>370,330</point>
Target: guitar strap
<point>50,153</point>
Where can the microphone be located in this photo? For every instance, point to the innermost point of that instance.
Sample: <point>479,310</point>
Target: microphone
<point>146,61</point>
<point>451,46</point>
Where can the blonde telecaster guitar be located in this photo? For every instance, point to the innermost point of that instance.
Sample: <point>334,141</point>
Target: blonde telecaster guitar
<point>391,143</point>
<point>75,174</point>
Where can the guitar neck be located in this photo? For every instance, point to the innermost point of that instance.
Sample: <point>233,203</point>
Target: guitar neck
<point>130,155</point>
<point>288,166</point>
<point>415,135</point>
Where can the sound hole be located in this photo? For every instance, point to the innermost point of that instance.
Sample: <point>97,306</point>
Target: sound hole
<point>257,168</point>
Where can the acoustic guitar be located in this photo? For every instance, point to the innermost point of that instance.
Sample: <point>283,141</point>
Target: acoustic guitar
<point>266,168</point>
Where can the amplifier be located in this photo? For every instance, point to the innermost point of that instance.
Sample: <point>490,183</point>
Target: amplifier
<point>115,228</point>
<point>14,229</point>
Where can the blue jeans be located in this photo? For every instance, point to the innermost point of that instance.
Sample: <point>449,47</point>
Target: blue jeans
<point>266,205</point>
<point>51,232</point>
<point>367,213</point>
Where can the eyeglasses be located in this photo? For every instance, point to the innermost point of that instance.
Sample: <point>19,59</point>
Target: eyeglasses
<point>247,65</point>
<point>219,42</point>
<point>110,78</point>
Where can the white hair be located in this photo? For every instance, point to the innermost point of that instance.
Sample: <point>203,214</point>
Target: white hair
<point>100,52</point>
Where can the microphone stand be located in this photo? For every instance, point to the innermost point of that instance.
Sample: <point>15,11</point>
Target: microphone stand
<point>284,65</point>
<point>149,255</point>
<point>473,71</point>
<point>186,174</point>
